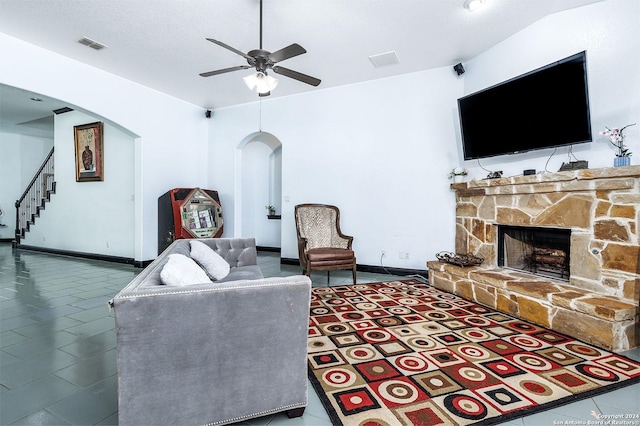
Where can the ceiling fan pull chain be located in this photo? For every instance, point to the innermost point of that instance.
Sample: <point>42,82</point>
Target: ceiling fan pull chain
<point>260,24</point>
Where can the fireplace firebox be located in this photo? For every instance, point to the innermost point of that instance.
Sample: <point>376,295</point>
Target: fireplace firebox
<point>539,251</point>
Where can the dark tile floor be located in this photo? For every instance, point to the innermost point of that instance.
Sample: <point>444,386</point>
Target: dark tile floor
<point>58,346</point>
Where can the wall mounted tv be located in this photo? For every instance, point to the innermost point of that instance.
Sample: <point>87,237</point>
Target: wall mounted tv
<point>544,108</point>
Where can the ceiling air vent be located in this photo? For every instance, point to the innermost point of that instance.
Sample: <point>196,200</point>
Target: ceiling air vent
<point>384,59</point>
<point>91,43</point>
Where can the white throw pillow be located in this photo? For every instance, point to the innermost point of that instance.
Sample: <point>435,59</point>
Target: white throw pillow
<point>216,267</point>
<point>181,270</point>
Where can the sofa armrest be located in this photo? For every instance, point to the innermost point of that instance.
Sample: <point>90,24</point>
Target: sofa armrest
<point>212,353</point>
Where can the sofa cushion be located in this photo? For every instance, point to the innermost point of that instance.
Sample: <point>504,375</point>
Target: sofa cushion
<point>330,253</point>
<point>249,272</point>
<point>213,264</point>
<point>181,270</point>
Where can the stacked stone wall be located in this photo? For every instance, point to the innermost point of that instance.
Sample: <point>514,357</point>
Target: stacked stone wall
<point>600,206</point>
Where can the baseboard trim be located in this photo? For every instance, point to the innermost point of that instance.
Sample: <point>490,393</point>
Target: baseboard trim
<point>93,256</point>
<point>289,261</point>
<point>373,269</point>
<point>404,272</point>
<point>144,263</point>
<point>269,249</point>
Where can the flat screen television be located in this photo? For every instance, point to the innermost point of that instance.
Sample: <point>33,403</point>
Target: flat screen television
<point>545,108</point>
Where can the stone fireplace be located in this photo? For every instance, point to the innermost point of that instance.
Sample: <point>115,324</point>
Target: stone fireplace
<point>590,292</point>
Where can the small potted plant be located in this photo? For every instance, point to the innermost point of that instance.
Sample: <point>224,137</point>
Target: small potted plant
<point>616,137</point>
<point>458,174</point>
<point>272,210</point>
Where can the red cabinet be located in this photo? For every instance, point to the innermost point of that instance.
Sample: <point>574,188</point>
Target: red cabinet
<point>188,213</point>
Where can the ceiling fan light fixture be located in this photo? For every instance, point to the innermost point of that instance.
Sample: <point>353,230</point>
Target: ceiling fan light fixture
<point>263,61</point>
<point>260,81</point>
<point>472,5</point>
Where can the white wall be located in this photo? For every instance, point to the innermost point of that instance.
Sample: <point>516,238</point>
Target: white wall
<point>275,186</point>
<point>20,158</point>
<point>169,130</point>
<point>381,150</point>
<point>610,34</point>
<point>99,216</point>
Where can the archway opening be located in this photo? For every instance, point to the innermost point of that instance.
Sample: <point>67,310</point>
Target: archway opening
<point>259,188</point>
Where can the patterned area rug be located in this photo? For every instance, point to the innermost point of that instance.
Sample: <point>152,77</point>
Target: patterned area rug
<point>406,353</point>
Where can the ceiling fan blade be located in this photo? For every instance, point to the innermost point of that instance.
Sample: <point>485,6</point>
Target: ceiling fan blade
<point>297,75</point>
<point>287,52</point>
<point>224,70</point>
<point>234,50</point>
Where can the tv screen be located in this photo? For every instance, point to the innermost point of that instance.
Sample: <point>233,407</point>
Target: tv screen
<point>545,108</point>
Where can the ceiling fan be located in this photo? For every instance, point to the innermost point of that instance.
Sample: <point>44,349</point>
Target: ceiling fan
<point>263,61</point>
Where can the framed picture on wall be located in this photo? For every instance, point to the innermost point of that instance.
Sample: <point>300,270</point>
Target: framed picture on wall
<point>89,152</point>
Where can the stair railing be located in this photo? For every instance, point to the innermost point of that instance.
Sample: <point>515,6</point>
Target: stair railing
<point>32,200</point>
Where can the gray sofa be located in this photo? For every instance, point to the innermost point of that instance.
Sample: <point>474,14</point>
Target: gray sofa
<point>212,353</point>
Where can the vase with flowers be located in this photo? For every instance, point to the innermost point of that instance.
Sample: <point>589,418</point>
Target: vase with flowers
<point>458,174</point>
<point>616,137</point>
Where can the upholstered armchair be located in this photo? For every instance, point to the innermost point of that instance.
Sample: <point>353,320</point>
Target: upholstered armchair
<point>321,244</point>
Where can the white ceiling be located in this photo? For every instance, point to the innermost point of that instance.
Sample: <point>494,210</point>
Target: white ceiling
<point>161,43</point>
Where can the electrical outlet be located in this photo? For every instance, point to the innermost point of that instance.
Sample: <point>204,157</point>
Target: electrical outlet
<point>403,255</point>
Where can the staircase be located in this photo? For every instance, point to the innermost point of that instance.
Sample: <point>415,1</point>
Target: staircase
<point>35,197</point>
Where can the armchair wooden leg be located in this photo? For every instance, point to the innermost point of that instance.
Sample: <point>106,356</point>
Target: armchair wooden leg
<point>328,278</point>
<point>354,273</point>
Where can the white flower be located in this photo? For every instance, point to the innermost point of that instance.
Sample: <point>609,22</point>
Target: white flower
<point>617,138</point>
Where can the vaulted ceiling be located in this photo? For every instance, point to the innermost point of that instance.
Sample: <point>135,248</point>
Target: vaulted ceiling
<point>162,44</point>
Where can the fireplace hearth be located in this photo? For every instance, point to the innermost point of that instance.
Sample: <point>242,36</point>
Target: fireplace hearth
<point>543,252</point>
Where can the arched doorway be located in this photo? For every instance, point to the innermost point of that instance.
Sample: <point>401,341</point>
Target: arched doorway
<point>114,203</point>
<point>259,185</point>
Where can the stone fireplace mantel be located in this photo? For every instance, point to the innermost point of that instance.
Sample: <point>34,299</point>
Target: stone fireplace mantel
<point>601,207</point>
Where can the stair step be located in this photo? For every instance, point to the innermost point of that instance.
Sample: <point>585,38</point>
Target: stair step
<point>36,196</point>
